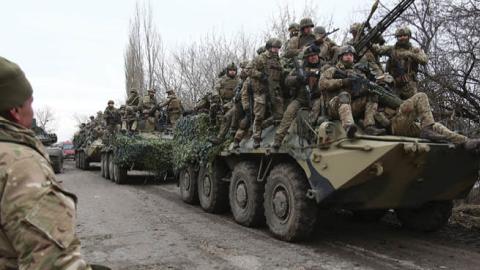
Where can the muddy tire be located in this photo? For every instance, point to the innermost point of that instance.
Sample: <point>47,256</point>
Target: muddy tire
<point>246,195</point>
<point>120,174</point>
<point>81,161</point>
<point>102,165</point>
<point>77,161</point>
<point>212,191</point>
<point>427,218</point>
<point>187,181</point>
<point>107,172</point>
<point>290,215</point>
<point>111,171</point>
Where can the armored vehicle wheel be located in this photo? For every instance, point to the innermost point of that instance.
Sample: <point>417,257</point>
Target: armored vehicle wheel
<point>290,215</point>
<point>111,171</point>
<point>120,174</point>
<point>81,158</point>
<point>212,192</point>
<point>187,181</point>
<point>246,195</point>
<point>77,161</point>
<point>427,218</point>
<point>102,165</point>
<point>58,165</point>
<point>107,172</point>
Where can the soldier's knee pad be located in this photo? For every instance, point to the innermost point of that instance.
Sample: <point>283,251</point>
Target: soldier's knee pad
<point>344,98</point>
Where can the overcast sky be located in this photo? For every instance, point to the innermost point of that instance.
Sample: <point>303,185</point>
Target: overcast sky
<point>72,51</point>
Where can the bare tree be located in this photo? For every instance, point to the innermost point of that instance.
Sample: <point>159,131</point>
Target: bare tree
<point>45,118</point>
<point>80,118</point>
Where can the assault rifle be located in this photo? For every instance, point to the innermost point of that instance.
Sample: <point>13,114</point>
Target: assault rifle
<point>361,84</point>
<point>364,42</point>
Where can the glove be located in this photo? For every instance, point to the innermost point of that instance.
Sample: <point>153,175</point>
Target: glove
<point>348,82</point>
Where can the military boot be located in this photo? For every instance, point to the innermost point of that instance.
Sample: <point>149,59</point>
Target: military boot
<point>276,143</point>
<point>472,145</point>
<point>351,130</point>
<point>372,130</point>
<point>430,134</point>
<point>236,144</point>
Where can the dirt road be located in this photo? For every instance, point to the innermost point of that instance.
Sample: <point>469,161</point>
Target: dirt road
<point>147,226</point>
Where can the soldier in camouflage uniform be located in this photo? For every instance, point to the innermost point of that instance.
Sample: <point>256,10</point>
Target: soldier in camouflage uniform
<point>370,58</point>
<point>306,38</point>
<point>403,62</point>
<point>129,116</point>
<point>326,46</point>
<point>339,92</point>
<point>147,107</point>
<point>266,74</point>
<point>300,94</point>
<point>402,122</point>
<point>203,105</point>
<point>112,120</point>
<point>37,214</point>
<point>174,107</point>
<point>293,31</point>
<point>225,89</point>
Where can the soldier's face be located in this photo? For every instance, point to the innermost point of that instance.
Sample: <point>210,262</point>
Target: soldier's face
<point>232,72</point>
<point>347,58</point>
<point>403,38</point>
<point>23,115</point>
<point>274,50</point>
<point>313,59</point>
<point>110,105</point>
<point>308,30</point>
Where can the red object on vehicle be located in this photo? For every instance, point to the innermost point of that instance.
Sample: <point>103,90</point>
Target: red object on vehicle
<point>68,150</point>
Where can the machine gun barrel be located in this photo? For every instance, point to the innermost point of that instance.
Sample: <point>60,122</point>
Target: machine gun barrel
<point>366,41</point>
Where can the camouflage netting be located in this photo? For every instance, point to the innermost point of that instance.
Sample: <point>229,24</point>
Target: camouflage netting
<point>152,154</point>
<point>191,141</point>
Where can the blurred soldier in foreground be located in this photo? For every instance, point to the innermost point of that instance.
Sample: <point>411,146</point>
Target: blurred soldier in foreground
<point>403,62</point>
<point>37,215</point>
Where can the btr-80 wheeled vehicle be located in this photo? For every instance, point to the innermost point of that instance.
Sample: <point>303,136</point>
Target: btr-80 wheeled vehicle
<point>88,153</point>
<point>48,139</point>
<point>322,168</point>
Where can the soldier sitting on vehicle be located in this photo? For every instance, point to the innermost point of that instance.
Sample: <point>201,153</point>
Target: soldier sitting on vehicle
<point>129,114</point>
<point>346,99</point>
<point>174,107</point>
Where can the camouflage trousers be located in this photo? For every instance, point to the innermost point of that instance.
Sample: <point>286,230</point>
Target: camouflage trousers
<point>277,104</point>
<point>406,90</point>
<point>244,123</point>
<point>288,117</point>
<point>259,109</point>
<point>173,117</point>
<point>403,123</point>
<point>343,108</point>
<point>229,120</point>
<point>147,124</point>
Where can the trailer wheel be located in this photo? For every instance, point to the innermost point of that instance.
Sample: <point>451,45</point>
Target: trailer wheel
<point>290,215</point>
<point>429,217</point>
<point>212,191</point>
<point>246,195</point>
<point>187,181</point>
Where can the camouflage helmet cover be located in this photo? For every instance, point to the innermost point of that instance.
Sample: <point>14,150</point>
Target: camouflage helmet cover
<point>293,27</point>
<point>306,22</point>
<point>273,43</point>
<point>311,50</point>
<point>346,49</point>
<point>319,30</point>
<point>261,50</point>
<point>110,102</point>
<point>232,66</point>
<point>403,31</point>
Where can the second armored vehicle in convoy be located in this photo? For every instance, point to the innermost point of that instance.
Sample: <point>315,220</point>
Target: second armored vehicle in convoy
<point>322,168</point>
<point>48,139</point>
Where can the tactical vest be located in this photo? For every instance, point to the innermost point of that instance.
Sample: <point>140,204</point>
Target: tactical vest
<point>227,90</point>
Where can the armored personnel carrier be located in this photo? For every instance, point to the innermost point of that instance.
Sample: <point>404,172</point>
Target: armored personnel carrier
<point>143,151</point>
<point>48,139</point>
<point>321,168</point>
<point>88,153</point>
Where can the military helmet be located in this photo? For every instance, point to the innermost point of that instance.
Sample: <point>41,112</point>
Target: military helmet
<point>355,27</point>
<point>170,91</point>
<point>110,102</point>
<point>306,22</point>
<point>232,66</point>
<point>243,64</point>
<point>152,90</point>
<point>346,49</point>
<point>293,27</point>
<point>403,31</point>
<point>92,117</point>
<point>273,43</point>
<point>99,112</point>
<point>319,30</point>
<point>311,50</point>
<point>133,90</point>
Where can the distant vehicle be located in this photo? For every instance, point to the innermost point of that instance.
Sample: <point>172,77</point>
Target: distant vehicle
<point>68,150</point>
<point>48,140</point>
